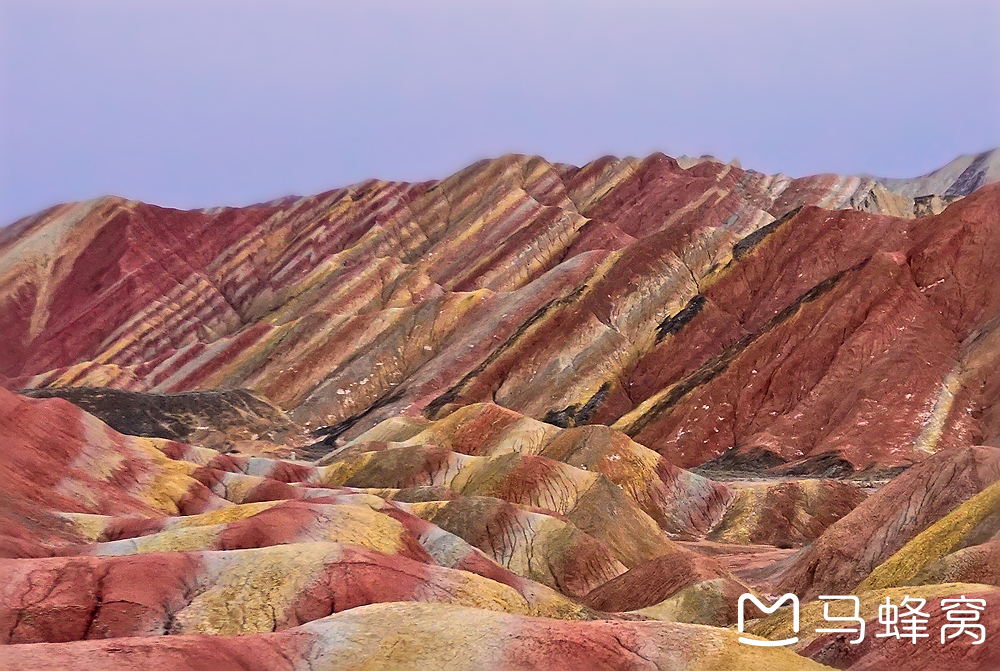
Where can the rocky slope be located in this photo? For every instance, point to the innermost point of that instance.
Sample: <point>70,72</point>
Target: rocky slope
<point>957,179</point>
<point>453,424</point>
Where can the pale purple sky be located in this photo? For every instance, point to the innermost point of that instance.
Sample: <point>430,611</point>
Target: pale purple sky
<point>192,103</point>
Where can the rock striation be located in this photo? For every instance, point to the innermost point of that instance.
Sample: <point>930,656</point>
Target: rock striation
<point>707,312</point>
<point>529,416</point>
<point>957,179</point>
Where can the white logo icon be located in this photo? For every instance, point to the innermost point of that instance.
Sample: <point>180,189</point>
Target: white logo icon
<point>770,609</point>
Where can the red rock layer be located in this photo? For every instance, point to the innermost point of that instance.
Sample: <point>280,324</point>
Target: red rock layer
<point>852,547</point>
<point>659,579</point>
<point>633,292</point>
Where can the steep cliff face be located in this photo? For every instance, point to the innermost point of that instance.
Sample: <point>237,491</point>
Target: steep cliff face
<point>453,424</point>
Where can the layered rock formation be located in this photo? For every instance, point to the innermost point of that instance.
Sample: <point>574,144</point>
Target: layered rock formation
<point>957,179</point>
<point>695,310</point>
<point>453,424</point>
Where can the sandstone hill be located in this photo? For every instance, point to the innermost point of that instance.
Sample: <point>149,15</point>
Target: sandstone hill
<point>529,416</point>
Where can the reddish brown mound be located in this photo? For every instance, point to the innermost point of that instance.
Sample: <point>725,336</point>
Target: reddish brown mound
<point>542,547</point>
<point>57,458</point>
<point>279,564</point>
<point>588,531</point>
<point>751,564</point>
<point>659,579</point>
<point>681,503</point>
<point>587,499</point>
<point>785,514</point>
<point>848,551</point>
<point>72,599</point>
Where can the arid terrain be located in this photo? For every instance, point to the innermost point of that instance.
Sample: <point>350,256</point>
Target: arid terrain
<point>530,416</point>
